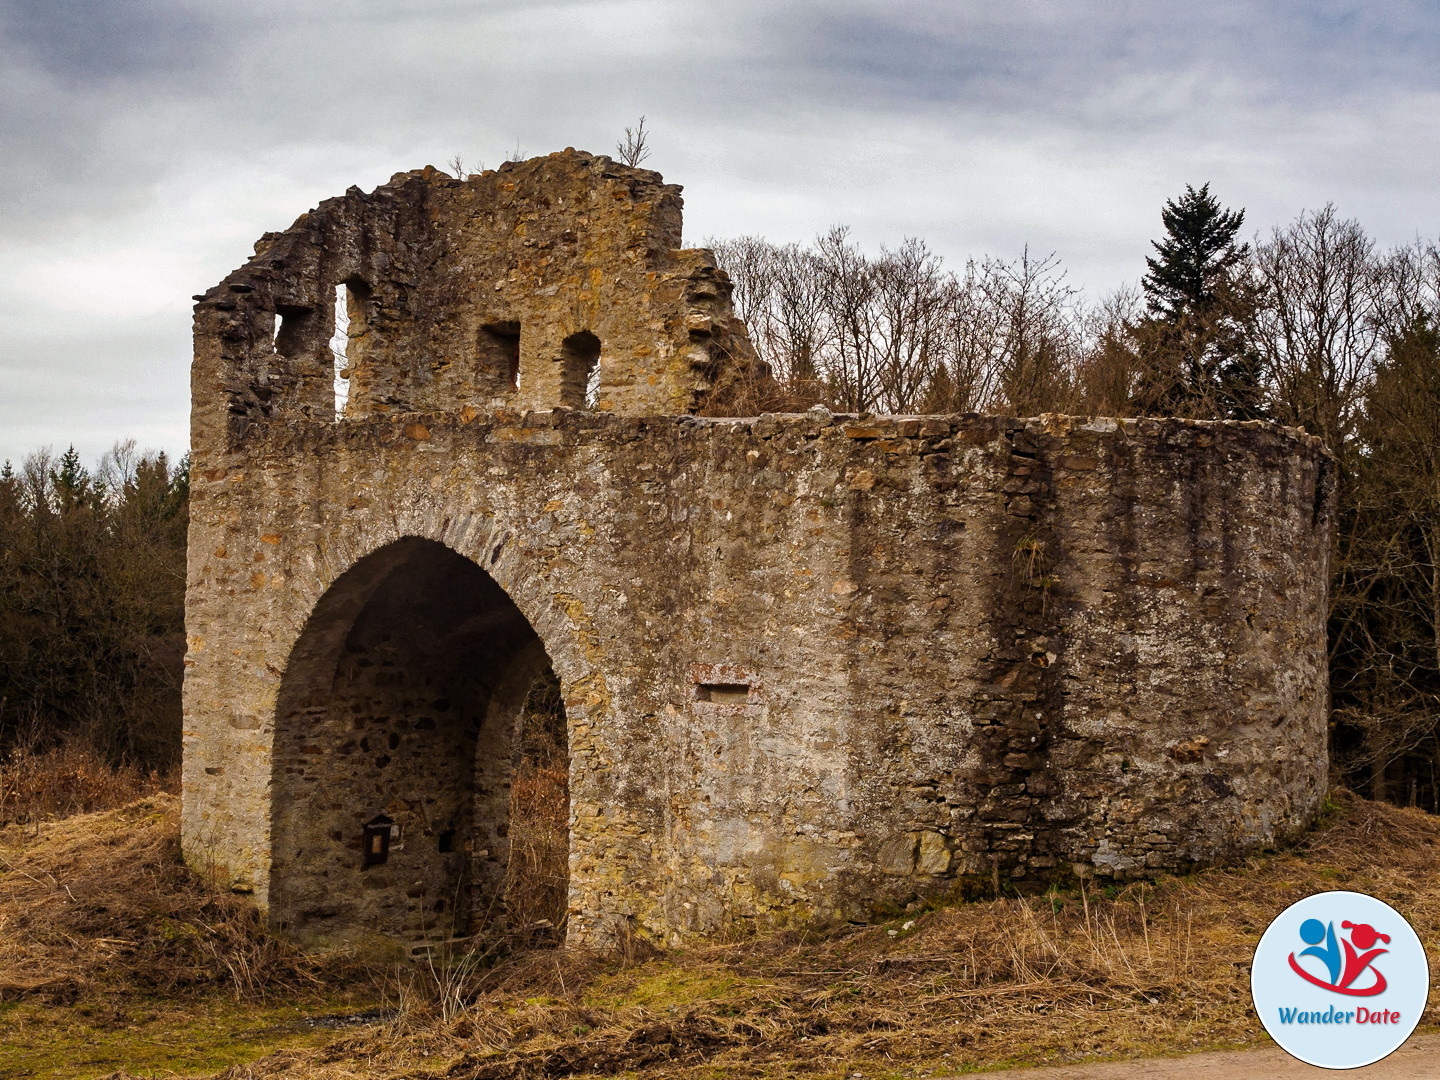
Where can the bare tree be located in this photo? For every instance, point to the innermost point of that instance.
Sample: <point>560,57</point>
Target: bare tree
<point>780,294</point>
<point>1039,320</point>
<point>849,287</point>
<point>797,323</point>
<point>750,263</point>
<point>1410,287</point>
<point>1107,370</point>
<point>632,149</point>
<point>1318,321</point>
<point>897,332</point>
<point>972,348</point>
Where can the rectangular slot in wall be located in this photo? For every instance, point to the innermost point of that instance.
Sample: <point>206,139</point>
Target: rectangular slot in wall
<point>726,688</point>
<point>723,693</point>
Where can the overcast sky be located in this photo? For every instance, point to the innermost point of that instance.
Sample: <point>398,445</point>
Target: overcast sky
<point>146,144</point>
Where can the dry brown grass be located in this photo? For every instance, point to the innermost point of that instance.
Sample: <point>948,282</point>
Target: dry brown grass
<point>1148,969</point>
<point>537,879</point>
<point>101,903</point>
<point>69,779</point>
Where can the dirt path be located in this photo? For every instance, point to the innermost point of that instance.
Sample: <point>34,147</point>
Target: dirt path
<point>1418,1059</point>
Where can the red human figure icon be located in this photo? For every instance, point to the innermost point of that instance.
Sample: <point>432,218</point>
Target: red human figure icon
<point>1363,935</point>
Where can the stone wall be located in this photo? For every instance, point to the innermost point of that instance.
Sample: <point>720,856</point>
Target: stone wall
<point>813,665</point>
<point>555,281</point>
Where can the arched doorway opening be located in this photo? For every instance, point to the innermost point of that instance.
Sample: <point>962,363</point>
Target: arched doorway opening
<point>414,700</point>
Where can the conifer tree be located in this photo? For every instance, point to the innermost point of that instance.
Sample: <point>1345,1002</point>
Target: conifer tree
<point>72,484</point>
<point>1197,258</point>
<point>1196,356</point>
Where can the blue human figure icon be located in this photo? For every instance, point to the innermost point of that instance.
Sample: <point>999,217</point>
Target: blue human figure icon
<point>1312,932</point>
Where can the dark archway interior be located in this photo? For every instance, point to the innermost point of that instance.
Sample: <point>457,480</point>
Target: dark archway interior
<point>406,709</point>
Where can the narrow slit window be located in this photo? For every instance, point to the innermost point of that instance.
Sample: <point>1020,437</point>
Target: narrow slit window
<point>592,385</point>
<point>339,350</point>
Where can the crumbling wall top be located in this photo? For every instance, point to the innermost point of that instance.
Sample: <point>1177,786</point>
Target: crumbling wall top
<point>558,281</point>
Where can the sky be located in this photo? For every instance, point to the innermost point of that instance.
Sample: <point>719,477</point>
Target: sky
<point>146,144</point>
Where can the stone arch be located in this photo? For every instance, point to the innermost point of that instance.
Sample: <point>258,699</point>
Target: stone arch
<point>398,727</point>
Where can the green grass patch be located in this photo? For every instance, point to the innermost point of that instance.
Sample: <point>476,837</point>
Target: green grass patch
<point>660,986</point>
<point>154,1037</point>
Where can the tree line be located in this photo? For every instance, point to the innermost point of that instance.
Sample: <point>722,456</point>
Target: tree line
<point>92,600</point>
<point>1312,325</point>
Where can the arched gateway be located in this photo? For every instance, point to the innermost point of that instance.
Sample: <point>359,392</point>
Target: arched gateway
<point>403,701</point>
<point>812,666</point>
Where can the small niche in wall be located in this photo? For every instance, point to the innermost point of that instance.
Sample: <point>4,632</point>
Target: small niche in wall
<point>725,687</point>
<point>723,693</point>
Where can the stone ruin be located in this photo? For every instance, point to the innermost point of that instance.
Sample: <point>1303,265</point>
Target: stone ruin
<point>814,667</point>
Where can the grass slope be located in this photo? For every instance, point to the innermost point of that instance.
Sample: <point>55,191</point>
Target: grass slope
<point>112,954</point>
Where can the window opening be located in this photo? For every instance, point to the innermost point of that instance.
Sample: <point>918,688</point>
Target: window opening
<point>592,386</point>
<point>292,322</point>
<point>499,350</point>
<point>580,370</point>
<point>339,350</point>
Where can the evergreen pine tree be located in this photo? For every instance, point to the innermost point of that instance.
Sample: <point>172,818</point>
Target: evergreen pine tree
<point>1196,355</point>
<point>72,483</point>
<point>1197,257</point>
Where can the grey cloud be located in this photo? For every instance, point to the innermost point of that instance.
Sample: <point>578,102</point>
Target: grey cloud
<point>85,41</point>
<point>1053,57</point>
<point>190,127</point>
